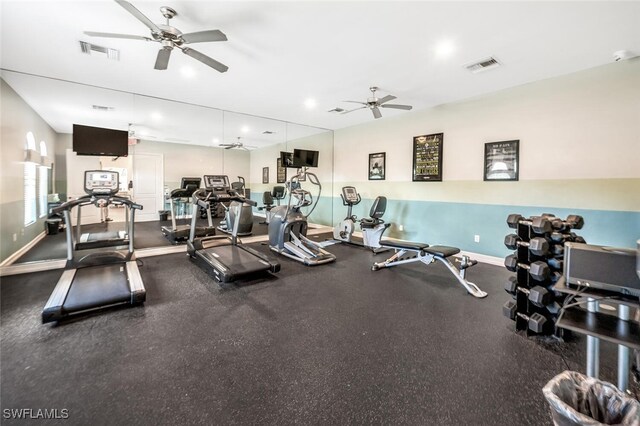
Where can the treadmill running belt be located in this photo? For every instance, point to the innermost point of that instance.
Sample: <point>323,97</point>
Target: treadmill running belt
<point>98,286</point>
<point>102,236</point>
<point>237,260</point>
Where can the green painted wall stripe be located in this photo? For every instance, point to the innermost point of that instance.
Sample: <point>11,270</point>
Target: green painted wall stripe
<point>598,194</point>
<point>455,224</point>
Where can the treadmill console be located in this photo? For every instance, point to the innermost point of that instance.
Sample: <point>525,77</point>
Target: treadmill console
<point>350,195</point>
<point>216,183</point>
<point>101,182</point>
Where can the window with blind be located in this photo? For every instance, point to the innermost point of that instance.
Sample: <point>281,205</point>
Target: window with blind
<point>43,182</point>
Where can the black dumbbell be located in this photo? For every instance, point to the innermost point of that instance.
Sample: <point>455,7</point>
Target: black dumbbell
<point>572,221</point>
<point>559,237</point>
<point>535,322</point>
<point>540,296</point>
<point>538,270</point>
<point>557,250</point>
<point>538,245</point>
<point>556,263</point>
<point>539,224</point>
<point>509,309</point>
<point>511,286</point>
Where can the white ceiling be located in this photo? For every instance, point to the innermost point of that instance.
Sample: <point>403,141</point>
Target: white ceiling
<point>281,53</point>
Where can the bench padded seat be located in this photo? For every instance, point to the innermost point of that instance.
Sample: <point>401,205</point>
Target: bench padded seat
<point>404,245</point>
<point>442,251</point>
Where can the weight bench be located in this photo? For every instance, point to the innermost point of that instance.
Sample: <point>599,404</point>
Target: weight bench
<point>408,252</point>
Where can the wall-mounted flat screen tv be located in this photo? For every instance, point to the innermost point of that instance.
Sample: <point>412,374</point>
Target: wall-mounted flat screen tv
<point>305,158</point>
<point>89,140</point>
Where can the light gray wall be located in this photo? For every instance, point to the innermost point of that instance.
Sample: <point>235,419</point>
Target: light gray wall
<point>16,119</point>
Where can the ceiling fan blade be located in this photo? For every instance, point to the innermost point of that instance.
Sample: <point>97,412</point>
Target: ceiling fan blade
<point>227,144</point>
<point>205,59</point>
<point>230,147</point>
<point>394,106</point>
<point>112,35</point>
<point>351,110</point>
<point>162,60</point>
<point>356,102</point>
<point>135,12</point>
<point>386,99</point>
<point>202,36</point>
<point>376,112</point>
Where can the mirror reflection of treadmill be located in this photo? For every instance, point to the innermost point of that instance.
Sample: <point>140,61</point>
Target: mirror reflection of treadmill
<point>177,233</point>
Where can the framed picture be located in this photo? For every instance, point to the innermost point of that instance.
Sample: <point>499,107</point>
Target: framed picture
<point>501,160</point>
<point>265,175</point>
<point>377,166</point>
<point>303,176</point>
<point>281,171</point>
<point>427,158</point>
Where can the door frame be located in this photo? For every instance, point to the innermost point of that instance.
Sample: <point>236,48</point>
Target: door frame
<point>147,217</point>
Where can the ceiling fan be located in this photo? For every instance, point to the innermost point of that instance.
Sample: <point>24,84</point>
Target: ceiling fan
<point>374,103</point>
<point>238,144</point>
<point>170,38</point>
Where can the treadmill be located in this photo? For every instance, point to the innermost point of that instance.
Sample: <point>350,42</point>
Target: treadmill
<point>225,257</point>
<point>178,233</point>
<point>92,240</point>
<point>99,278</point>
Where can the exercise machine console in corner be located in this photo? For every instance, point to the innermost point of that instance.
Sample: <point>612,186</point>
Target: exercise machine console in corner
<point>225,257</point>
<point>99,278</point>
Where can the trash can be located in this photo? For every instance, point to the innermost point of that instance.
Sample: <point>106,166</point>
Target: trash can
<point>164,214</point>
<point>52,225</point>
<point>578,400</point>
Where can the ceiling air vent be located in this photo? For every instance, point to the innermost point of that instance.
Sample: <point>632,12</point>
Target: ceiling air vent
<point>110,53</point>
<point>337,110</point>
<point>483,65</point>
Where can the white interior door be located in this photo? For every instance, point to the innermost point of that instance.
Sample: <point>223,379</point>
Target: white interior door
<point>148,184</point>
<point>76,166</point>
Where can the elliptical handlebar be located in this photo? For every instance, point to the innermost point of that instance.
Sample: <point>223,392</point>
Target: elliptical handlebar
<point>313,178</point>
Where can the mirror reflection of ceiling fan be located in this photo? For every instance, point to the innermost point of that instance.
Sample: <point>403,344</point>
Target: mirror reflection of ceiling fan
<point>238,144</point>
<point>374,103</point>
<point>169,37</point>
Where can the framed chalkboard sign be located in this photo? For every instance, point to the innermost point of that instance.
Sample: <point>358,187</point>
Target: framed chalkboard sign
<point>501,160</point>
<point>427,158</point>
<point>281,172</point>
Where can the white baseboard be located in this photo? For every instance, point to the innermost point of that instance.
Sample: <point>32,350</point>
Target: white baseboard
<point>9,260</point>
<point>29,267</point>
<point>483,258</point>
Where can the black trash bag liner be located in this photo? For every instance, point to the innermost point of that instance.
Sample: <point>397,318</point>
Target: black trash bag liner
<point>576,399</point>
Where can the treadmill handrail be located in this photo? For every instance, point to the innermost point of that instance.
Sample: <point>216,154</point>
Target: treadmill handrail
<point>202,198</point>
<point>92,199</point>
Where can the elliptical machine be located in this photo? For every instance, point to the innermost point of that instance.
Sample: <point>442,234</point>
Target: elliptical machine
<point>277,194</point>
<point>372,227</point>
<point>288,225</point>
<point>245,217</point>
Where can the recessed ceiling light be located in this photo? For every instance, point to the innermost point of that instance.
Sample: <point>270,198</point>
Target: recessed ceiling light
<point>216,140</point>
<point>187,71</point>
<point>445,48</point>
<point>156,116</point>
<point>245,129</point>
<point>310,103</point>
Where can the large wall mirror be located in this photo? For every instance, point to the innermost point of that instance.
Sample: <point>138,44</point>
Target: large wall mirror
<point>169,140</point>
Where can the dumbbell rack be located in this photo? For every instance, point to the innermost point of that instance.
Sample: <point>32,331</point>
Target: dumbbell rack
<point>536,318</point>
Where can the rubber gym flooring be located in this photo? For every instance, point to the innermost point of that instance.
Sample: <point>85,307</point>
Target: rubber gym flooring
<point>147,235</point>
<point>332,344</point>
